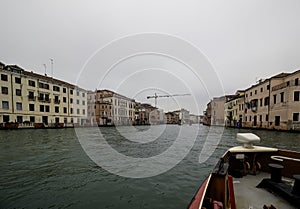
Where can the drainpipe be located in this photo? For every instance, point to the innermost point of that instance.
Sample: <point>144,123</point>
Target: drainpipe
<point>12,94</point>
<point>269,103</point>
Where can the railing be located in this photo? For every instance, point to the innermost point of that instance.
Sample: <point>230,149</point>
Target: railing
<point>44,100</point>
<point>31,98</point>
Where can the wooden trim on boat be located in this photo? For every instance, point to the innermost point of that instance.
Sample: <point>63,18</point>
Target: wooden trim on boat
<point>198,198</point>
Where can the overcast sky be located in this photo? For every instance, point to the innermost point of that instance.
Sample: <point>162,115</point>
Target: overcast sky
<point>226,45</point>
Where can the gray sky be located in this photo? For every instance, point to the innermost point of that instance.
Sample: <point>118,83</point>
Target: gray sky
<point>238,42</point>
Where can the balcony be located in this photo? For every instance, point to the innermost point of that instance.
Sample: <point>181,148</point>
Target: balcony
<point>31,98</point>
<point>44,100</point>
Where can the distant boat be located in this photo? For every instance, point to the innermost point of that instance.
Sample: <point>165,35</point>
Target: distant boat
<point>251,177</point>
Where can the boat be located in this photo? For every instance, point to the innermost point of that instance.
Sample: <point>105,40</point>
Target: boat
<point>249,177</point>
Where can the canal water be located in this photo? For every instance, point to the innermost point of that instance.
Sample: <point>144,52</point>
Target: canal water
<point>49,169</point>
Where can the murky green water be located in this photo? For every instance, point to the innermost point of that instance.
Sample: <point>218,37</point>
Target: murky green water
<point>49,169</point>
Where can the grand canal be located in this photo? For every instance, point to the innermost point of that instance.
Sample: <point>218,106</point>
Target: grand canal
<point>49,169</point>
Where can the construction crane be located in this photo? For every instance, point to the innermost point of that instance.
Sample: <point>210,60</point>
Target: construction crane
<point>168,95</point>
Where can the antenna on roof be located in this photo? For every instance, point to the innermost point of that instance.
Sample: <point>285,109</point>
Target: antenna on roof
<point>45,66</point>
<point>51,60</point>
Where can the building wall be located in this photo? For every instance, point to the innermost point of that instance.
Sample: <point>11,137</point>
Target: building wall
<point>106,105</point>
<point>271,103</point>
<point>257,99</point>
<point>283,105</point>
<point>34,98</point>
<point>234,110</point>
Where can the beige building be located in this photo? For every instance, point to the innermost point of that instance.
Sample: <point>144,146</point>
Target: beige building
<point>285,101</point>
<point>34,100</point>
<point>234,110</point>
<point>107,108</point>
<point>216,110</point>
<point>274,103</point>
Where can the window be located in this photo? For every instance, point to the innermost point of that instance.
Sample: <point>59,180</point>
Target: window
<point>19,106</point>
<point>296,81</point>
<point>4,90</point>
<point>83,102</point>
<point>44,85</point>
<point>56,99</point>
<point>5,118</point>
<point>261,89</point>
<point>31,107</point>
<point>296,116</point>
<point>78,111</point>
<point>56,88</point>
<point>31,95</point>
<point>83,94</point>
<point>32,119</point>
<point>56,120</point>
<point>77,101</point>
<point>47,108</point>
<point>71,110</point>
<point>255,92</point>
<point>47,97</point>
<point>71,100</point>
<point>267,100</point>
<point>18,92</point>
<point>83,111</point>
<point>260,118</point>
<point>31,83</point>
<point>5,105</point>
<point>42,108</point>
<point>274,98</point>
<point>18,80</point>
<point>288,83</point>
<point>296,95</point>
<point>64,90</point>
<point>77,93</point>
<point>282,97</point>
<point>64,99</point>
<point>4,77</point>
<point>250,93</point>
<point>65,110</point>
<point>71,91</point>
<point>277,120</point>
<point>19,119</point>
<point>268,87</point>
<point>57,109</point>
<point>267,117</point>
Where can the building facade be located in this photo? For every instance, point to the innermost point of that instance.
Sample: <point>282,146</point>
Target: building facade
<point>107,108</point>
<point>217,110</point>
<point>34,100</point>
<point>234,110</point>
<point>142,113</point>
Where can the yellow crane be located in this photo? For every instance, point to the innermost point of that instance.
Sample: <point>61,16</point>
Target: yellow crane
<point>155,96</point>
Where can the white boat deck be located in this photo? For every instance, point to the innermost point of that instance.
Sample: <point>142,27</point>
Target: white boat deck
<point>247,196</point>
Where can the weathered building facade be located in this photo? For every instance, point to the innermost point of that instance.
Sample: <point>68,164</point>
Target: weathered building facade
<point>109,108</point>
<point>33,100</point>
<point>142,113</point>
